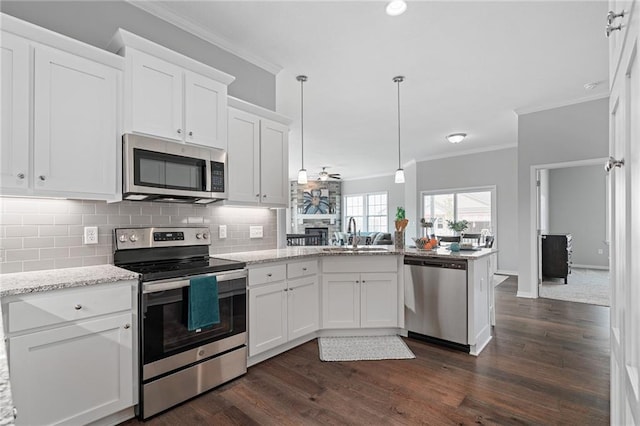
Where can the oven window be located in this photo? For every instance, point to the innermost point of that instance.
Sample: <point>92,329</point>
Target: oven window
<point>165,330</point>
<point>161,170</point>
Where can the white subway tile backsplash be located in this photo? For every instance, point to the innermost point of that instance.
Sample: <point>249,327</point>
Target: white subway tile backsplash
<point>11,243</point>
<point>54,253</point>
<point>21,231</point>
<point>38,242</point>
<point>32,240</point>
<point>53,230</point>
<point>22,254</point>
<point>38,265</point>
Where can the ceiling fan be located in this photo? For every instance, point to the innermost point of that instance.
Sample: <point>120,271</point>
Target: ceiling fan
<point>324,175</point>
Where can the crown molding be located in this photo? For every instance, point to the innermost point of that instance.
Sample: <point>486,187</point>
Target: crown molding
<point>560,104</point>
<point>469,152</point>
<point>162,12</point>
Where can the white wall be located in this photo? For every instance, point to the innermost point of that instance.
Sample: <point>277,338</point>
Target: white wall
<point>482,169</point>
<point>95,22</point>
<point>395,193</point>
<point>569,133</point>
<point>577,205</point>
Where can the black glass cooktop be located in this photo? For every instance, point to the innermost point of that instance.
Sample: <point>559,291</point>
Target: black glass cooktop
<point>153,271</point>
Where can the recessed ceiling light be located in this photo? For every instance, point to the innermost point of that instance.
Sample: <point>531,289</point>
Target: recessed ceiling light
<point>456,137</point>
<point>396,7</point>
<point>591,86</point>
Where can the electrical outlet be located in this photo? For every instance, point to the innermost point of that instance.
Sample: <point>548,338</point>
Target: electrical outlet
<point>222,232</point>
<point>255,232</point>
<point>91,235</point>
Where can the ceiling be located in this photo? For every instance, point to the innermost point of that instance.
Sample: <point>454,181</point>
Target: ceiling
<point>468,65</point>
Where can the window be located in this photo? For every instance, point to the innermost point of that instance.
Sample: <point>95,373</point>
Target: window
<point>476,206</point>
<point>369,210</point>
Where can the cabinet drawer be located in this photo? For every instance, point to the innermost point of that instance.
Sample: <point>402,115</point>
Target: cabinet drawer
<point>67,305</point>
<point>267,274</point>
<point>301,269</point>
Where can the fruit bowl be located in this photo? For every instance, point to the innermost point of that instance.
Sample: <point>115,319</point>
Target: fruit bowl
<point>423,243</point>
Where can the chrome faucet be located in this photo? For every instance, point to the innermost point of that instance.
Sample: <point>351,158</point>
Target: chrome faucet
<point>354,240</point>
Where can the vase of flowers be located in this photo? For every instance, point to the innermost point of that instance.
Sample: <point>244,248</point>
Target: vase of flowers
<point>401,224</point>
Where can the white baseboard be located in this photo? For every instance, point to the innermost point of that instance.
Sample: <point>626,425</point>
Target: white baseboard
<point>506,272</point>
<point>601,268</point>
<point>526,295</point>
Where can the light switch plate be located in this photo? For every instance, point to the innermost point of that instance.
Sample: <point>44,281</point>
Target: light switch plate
<point>255,232</point>
<point>91,235</point>
<point>222,232</point>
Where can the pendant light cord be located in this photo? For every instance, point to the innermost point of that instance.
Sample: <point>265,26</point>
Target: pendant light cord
<point>399,162</point>
<point>302,79</point>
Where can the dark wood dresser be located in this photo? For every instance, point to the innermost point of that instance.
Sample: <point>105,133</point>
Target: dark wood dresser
<point>556,256</point>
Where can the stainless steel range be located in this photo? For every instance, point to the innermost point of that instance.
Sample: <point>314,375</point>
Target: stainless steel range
<point>175,363</point>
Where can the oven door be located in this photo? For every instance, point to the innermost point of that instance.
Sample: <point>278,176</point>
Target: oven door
<point>167,344</point>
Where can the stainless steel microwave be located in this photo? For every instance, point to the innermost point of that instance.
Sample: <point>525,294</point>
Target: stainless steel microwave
<point>155,169</point>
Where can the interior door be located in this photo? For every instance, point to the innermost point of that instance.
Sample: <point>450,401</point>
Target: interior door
<point>624,181</point>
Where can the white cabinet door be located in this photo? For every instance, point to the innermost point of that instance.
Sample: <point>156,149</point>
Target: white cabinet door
<point>274,168</point>
<point>303,308</point>
<point>267,317</point>
<point>340,301</point>
<point>14,98</point>
<point>75,124</point>
<point>74,374</point>
<point>244,156</point>
<point>205,108</point>
<point>156,97</point>
<point>379,300</point>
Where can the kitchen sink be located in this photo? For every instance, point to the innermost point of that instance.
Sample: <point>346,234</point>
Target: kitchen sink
<point>351,249</point>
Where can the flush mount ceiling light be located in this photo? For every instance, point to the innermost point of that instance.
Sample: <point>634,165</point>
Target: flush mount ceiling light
<point>456,137</point>
<point>396,7</point>
<point>302,173</point>
<point>591,86</point>
<point>399,173</point>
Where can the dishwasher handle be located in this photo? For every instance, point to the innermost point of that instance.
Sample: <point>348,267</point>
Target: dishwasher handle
<point>437,263</point>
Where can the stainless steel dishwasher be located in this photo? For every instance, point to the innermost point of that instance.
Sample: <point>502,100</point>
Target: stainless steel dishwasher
<point>436,300</point>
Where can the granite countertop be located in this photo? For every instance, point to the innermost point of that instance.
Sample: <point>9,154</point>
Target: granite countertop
<point>288,253</point>
<point>40,281</point>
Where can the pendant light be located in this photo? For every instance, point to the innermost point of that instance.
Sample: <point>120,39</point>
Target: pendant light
<point>302,173</point>
<point>400,172</point>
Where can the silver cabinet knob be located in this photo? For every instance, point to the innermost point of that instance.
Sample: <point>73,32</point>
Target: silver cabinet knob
<point>127,326</point>
<point>20,175</point>
<point>609,29</point>
<point>15,413</point>
<point>264,195</point>
<point>612,163</point>
<point>257,195</point>
<point>42,177</point>
<point>286,289</point>
<point>190,133</point>
<point>612,16</point>
<point>179,131</point>
<point>269,274</point>
<point>78,307</point>
<point>304,269</point>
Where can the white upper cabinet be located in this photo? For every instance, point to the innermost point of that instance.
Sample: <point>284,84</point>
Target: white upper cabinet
<point>170,95</point>
<point>156,96</point>
<point>258,156</point>
<point>60,115</point>
<point>75,124</point>
<point>14,98</point>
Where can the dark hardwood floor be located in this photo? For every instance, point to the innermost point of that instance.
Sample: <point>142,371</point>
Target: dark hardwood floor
<point>548,364</point>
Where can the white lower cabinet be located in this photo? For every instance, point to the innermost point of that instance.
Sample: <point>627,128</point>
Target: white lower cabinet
<point>282,309</point>
<point>366,300</point>
<point>76,364</point>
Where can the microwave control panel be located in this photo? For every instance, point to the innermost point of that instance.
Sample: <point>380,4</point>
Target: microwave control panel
<point>217,176</point>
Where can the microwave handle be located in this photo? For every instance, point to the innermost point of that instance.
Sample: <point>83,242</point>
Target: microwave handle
<point>207,178</point>
<point>164,285</point>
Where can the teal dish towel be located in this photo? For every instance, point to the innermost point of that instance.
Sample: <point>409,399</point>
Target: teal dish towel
<point>204,309</point>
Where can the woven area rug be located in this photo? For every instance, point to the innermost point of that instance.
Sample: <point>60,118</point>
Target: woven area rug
<point>363,348</point>
<point>584,286</point>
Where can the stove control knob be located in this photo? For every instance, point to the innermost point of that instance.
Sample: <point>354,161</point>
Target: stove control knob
<point>205,236</point>
<point>133,238</point>
<point>199,236</point>
<point>123,238</point>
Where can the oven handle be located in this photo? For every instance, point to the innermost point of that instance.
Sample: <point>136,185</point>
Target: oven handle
<point>172,284</point>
